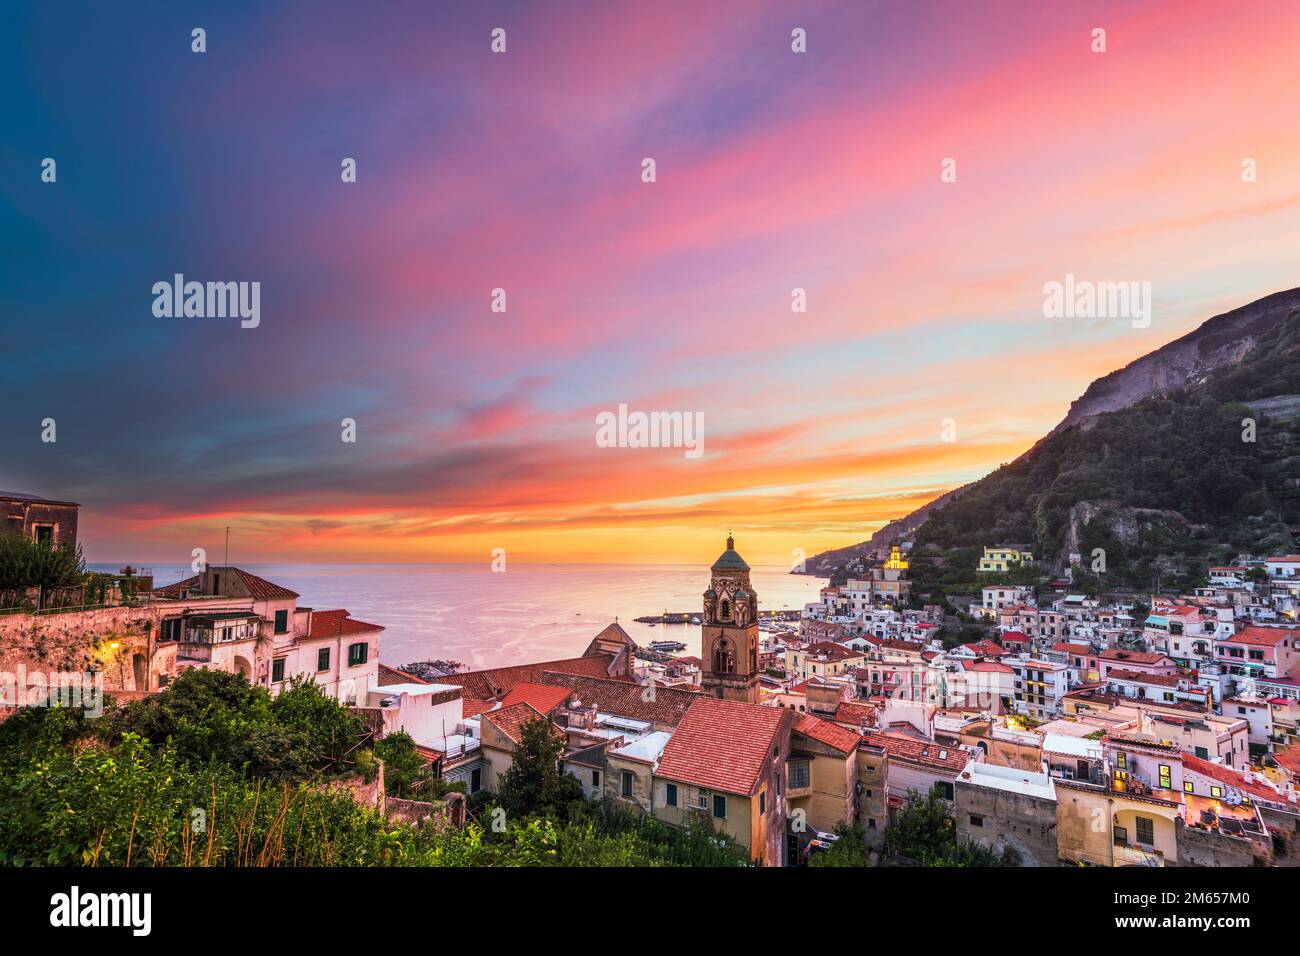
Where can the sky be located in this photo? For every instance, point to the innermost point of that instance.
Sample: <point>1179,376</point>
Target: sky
<point>774,170</point>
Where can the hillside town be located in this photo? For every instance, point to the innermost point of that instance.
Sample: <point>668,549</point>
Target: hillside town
<point>1077,730</point>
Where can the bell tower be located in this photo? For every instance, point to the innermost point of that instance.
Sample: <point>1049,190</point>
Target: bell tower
<point>729,631</point>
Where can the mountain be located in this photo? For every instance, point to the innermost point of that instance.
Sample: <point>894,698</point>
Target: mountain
<point>1149,464</point>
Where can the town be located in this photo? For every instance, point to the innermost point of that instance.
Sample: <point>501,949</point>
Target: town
<point>1078,731</point>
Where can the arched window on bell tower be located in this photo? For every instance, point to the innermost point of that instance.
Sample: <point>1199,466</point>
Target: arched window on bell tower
<point>724,610</point>
<point>724,658</point>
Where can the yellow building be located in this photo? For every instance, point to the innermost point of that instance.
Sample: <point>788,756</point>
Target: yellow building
<point>1003,559</point>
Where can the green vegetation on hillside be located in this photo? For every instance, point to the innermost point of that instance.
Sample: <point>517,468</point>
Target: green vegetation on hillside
<point>215,772</point>
<point>1165,487</point>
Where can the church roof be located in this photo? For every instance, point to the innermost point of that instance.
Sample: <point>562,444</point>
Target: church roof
<point>729,560</point>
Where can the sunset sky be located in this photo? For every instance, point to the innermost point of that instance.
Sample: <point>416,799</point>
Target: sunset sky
<point>522,171</point>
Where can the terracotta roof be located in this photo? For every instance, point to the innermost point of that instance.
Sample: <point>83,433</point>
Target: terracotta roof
<point>1230,777</point>
<point>1015,636</point>
<point>985,648</point>
<point>832,651</point>
<point>1288,758</point>
<point>1142,677</point>
<point>859,715</point>
<point>1132,657</point>
<point>1261,636</point>
<point>392,675</point>
<point>990,667</point>
<point>472,708</point>
<point>1082,650</point>
<point>510,720</point>
<point>337,623</point>
<point>543,697</point>
<point>623,698</point>
<point>722,745</point>
<point>832,735</point>
<point>926,752</point>
<point>489,684</point>
<point>260,588</point>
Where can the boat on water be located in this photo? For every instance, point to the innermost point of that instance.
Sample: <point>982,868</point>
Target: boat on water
<point>667,645</point>
<point>695,620</point>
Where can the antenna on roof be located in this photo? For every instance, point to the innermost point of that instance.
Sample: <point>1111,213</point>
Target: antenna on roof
<point>226,559</point>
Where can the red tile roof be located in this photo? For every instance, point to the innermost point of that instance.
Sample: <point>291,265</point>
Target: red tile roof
<point>723,745</point>
<point>260,588</point>
<point>542,697</point>
<point>1142,677</point>
<point>623,698</point>
<point>392,675</point>
<point>472,708</point>
<point>510,720</point>
<point>337,623</point>
<point>832,735</point>
<point>1261,636</point>
<point>1080,650</point>
<point>1016,637</point>
<point>951,758</point>
<point>1132,657</point>
<point>1288,758</point>
<point>858,715</point>
<point>489,684</point>
<point>1231,778</point>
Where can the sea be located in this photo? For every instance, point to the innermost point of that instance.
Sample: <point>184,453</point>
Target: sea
<point>536,612</point>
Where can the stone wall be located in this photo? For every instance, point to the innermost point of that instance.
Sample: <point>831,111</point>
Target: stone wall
<point>1197,847</point>
<point>999,818</point>
<point>75,641</point>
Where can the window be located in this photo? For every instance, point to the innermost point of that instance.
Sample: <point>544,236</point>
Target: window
<point>944,788</point>
<point>1187,786</point>
<point>798,771</point>
<point>762,803</point>
<point>670,795</point>
<point>476,780</point>
<point>976,821</point>
<point>216,584</point>
<point>1216,792</point>
<point>1165,777</point>
<point>323,659</point>
<point>1145,830</point>
<point>277,669</point>
<point>358,654</point>
<point>281,622</point>
<point>1121,760</point>
<point>720,806</point>
<point>595,778</point>
<point>44,534</point>
<point>1202,753</point>
<point>627,783</point>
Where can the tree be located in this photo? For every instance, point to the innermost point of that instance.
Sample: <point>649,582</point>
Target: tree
<point>27,563</point>
<point>406,772</point>
<point>534,783</point>
<point>925,832</point>
<point>849,850</point>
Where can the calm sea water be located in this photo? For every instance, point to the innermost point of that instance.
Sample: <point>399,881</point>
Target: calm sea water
<point>469,614</point>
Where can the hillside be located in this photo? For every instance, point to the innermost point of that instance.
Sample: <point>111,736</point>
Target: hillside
<point>1150,464</point>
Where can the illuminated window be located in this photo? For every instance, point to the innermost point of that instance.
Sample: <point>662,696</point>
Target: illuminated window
<point>1187,786</point>
<point>1216,792</point>
<point>1166,782</point>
